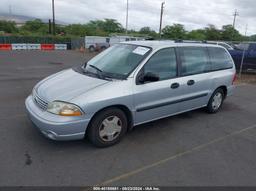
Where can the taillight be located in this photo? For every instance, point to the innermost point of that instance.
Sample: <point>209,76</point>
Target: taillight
<point>234,79</point>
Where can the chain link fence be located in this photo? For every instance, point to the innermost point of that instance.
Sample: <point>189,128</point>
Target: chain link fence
<point>77,43</point>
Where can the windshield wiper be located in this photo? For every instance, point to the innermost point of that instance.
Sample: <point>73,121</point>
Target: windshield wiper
<point>96,68</point>
<point>99,71</point>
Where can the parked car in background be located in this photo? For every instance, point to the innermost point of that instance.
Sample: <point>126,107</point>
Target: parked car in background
<point>99,43</point>
<point>129,84</point>
<point>249,51</point>
<point>93,43</point>
<point>117,39</point>
<point>101,46</point>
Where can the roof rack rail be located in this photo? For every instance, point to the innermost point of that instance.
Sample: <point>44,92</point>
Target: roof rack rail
<point>190,41</point>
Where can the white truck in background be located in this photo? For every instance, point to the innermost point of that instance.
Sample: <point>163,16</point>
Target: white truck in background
<point>117,39</point>
<point>98,43</point>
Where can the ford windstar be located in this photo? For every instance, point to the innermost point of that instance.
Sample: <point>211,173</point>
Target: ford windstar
<point>129,84</point>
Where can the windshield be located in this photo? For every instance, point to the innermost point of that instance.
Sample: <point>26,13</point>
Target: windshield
<point>117,61</point>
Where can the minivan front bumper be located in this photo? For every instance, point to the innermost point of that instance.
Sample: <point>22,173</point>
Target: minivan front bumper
<point>56,127</point>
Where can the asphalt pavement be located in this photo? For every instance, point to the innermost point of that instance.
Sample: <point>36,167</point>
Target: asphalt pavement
<point>191,149</point>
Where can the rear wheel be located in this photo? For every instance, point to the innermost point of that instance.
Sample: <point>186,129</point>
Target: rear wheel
<point>215,101</point>
<point>103,48</point>
<point>107,127</point>
<point>91,49</point>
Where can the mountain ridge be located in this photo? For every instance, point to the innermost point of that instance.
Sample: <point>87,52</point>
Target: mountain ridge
<point>20,19</point>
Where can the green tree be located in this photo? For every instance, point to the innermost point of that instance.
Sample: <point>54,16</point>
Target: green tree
<point>176,31</point>
<point>145,30</point>
<point>212,33</point>
<point>253,37</point>
<point>148,31</point>
<point>8,26</point>
<point>198,34</point>
<point>229,33</point>
<point>112,26</point>
<point>76,30</point>
<point>103,27</point>
<point>35,26</point>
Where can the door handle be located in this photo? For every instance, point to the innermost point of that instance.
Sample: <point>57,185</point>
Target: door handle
<point>175,85</point>
<point>191,82</point>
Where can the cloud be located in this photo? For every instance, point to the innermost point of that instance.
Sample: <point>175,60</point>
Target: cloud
<point>192,13</point>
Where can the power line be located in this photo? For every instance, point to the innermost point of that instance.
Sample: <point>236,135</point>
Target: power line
<point>161,18</point>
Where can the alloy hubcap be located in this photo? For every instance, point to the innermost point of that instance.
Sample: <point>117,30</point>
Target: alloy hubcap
<point>217,100</point>
<point>110,128</point>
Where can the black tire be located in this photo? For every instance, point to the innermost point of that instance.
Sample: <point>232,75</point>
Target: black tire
<point>91,49</point>
<point>103,48</point>
<point>210,107</point>
<point>97,122</point>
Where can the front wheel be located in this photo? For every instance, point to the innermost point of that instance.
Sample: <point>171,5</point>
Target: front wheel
<point>107,127</point>
<point>91,49</point>
<point>215,101</point>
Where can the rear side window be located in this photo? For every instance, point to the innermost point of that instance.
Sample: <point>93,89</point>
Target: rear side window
<point>220,59</point>
<point>194,60</point>
<point>163,64</point>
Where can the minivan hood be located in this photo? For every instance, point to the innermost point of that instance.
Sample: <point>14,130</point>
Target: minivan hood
<point>66,85</point>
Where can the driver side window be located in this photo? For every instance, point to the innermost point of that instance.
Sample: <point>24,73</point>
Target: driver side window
<point>162,64</point>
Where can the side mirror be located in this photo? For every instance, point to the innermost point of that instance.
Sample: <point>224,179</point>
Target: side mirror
<point>149,77</point>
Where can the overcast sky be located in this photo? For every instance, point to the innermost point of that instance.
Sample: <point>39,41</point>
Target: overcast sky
<point>192,13</point>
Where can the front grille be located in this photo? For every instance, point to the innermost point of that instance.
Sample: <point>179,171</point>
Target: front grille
<point>39,101</point>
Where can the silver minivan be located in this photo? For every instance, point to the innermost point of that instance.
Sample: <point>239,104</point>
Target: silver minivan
<point>129,84</point>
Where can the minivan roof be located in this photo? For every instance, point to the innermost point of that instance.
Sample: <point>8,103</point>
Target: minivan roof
<point>162,44</point>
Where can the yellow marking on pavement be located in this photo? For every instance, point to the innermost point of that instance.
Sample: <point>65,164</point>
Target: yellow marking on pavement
<point>136,171</point>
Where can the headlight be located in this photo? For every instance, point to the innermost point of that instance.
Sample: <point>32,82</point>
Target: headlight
<point>64,109</point>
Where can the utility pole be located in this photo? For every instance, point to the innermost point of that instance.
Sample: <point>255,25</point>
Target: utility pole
<point>234,24</point>
<point>53,18</point>
<point>10,10</point>
<point>235,15</point>
<point>127,14</point>
<point>161,19</point>
<point>242,61</point>
<point>50,26</point>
